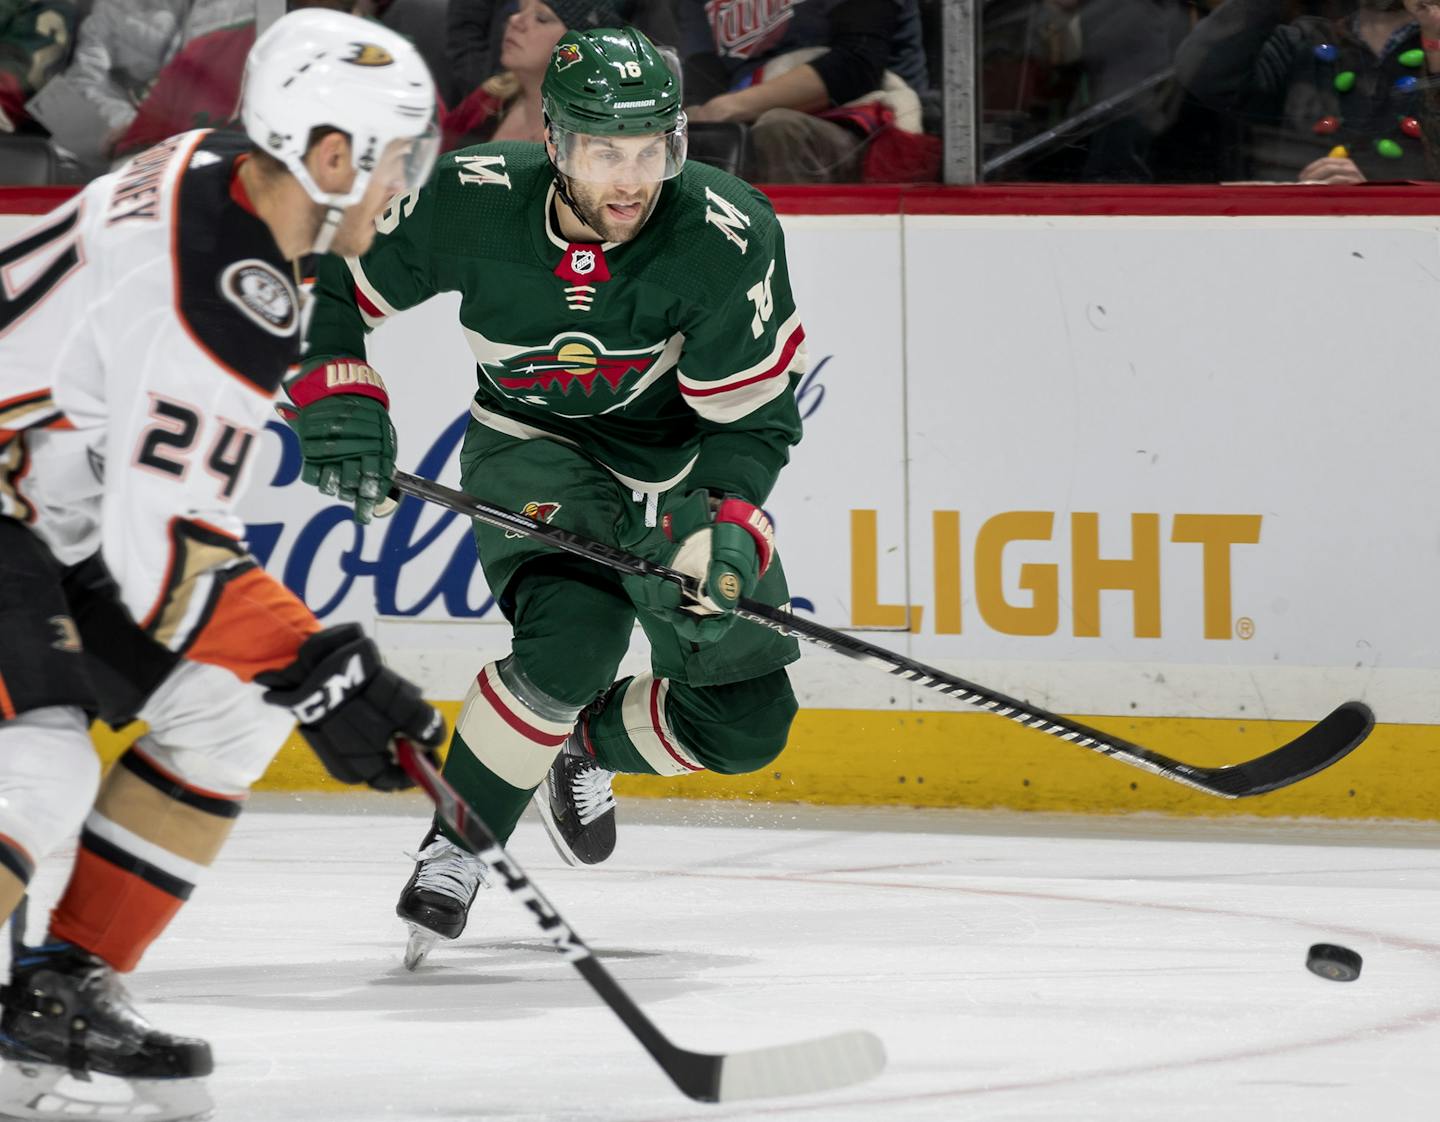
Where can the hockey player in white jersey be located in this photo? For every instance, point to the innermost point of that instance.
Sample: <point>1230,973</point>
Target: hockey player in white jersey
<point>144,329</point>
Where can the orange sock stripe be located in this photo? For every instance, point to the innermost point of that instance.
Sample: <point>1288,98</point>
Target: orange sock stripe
<point>7,707</point>
<point>111,912</point>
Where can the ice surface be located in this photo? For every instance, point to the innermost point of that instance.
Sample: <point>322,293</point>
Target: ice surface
<point>1015,966</point>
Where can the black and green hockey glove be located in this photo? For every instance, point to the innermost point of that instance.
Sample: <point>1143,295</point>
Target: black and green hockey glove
<point>347,441</point>
<point>726,544</point>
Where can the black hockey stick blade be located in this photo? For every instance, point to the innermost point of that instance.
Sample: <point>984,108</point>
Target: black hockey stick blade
<point>1314,750</point>
<point>785,1069</point>
<point>1323,744</point>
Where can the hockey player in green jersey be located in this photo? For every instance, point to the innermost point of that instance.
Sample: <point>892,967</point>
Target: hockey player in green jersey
<point>636,347</point>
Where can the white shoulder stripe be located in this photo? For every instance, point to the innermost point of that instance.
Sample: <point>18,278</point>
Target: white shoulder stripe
<point>371,293</point>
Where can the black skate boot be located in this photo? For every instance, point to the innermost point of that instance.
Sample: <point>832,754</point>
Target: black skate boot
<point>435,901</point>
<point>65,1012</point>
<point>577,805</point>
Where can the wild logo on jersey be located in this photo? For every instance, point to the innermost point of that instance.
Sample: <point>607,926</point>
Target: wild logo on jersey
<point>541,512</point>
<point>573,366</point>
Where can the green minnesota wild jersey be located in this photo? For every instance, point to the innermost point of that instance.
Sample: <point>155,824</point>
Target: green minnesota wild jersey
<point>668,358</point>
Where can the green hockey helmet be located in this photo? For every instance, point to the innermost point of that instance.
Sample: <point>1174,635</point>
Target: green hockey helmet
<point>612,106</point>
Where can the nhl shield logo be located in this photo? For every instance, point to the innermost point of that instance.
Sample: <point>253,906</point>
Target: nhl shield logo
<point>582,261</point>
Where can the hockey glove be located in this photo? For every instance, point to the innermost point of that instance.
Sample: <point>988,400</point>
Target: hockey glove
<point>726,545</point>
<point>346,438</point>
<point>350,707</point>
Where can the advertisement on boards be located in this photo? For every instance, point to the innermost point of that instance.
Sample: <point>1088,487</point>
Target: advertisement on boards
<point>1171,466</point>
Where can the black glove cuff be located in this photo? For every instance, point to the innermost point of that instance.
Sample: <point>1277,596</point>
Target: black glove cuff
<point>330,668</point>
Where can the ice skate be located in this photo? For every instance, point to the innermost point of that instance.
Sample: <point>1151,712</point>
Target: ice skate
<point>435,901</point>
<point>66,1019</point>
<point>577,805</point>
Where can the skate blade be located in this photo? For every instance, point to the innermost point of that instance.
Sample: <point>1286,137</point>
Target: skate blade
<point>541,799</point>
<point>32,1091</point>
<point>421,942</point>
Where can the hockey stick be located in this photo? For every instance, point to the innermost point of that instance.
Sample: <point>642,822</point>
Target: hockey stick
<point>784,1069</point>
<point>1315,749</point>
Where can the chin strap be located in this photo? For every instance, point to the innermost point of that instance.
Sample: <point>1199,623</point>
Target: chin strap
<point>565,197</point>
<point>328,225</point>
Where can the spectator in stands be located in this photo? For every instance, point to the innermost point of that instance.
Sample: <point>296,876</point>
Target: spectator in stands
<point>35,41</point>
<point>1095,78</point>
<point>476,32</point>
<point>423,23</point>
<point>121,48</point>
<point>1325,100</point>
<point>507,105</point>
<point>199,87</point>
<point>1427,15</point>
<point>816,80</point>
<point>1126,46</point>
<point>1029,67</point>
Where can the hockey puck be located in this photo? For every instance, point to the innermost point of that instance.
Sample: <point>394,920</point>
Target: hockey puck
<point>1333,963</point>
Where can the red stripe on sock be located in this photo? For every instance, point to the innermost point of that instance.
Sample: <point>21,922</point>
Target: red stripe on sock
<point>513,719</point>
<point>110,912</point>
<point>660,731</point>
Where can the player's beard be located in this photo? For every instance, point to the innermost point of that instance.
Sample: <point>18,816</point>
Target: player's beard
<point>588,200</point>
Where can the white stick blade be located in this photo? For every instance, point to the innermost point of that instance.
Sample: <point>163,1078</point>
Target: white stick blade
<point>801,1069</point>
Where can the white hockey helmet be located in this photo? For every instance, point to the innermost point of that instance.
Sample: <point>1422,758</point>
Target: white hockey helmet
<point>317,67</point>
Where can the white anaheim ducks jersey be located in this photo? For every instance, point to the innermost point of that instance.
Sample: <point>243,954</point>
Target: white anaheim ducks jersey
<point>144,328</point>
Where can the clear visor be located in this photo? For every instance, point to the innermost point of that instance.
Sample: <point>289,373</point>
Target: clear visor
<point>403,165</point>
<point>408,161</point>
<point>646,158</point>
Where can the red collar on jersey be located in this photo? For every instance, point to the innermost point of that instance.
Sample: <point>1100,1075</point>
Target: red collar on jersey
<point>583,263</point>
<point>237,186</point>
